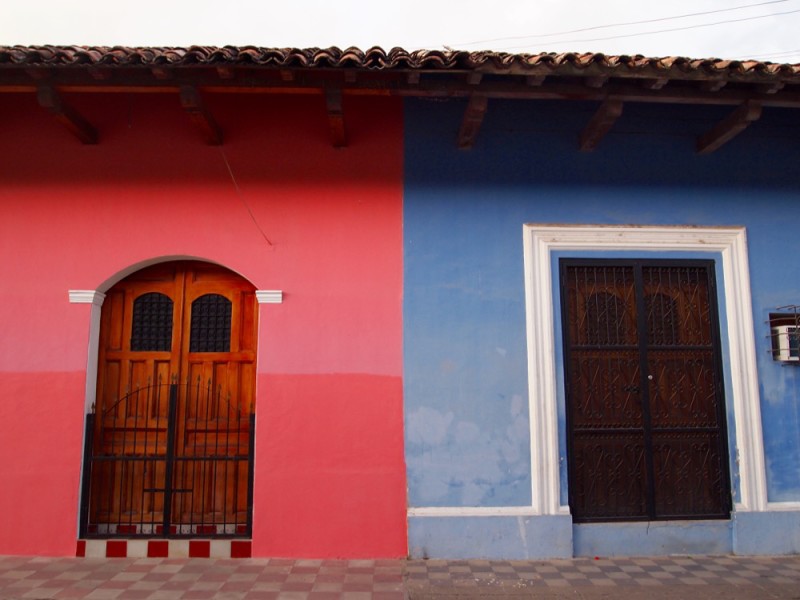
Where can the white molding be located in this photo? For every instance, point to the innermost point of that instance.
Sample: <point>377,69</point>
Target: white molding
<point>86,297</point>
<point>539,241</point>
<point>783,506</point>
<point>269,296</point>
<point>478,511</point>
<point>471,511</point>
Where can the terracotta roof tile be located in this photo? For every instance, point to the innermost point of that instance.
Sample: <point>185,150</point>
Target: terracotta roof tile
<point>398,59</point>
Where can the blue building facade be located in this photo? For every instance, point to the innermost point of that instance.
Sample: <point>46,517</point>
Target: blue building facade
<point>486,432</point>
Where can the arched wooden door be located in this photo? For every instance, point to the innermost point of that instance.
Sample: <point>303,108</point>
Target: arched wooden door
<point>172,432</point>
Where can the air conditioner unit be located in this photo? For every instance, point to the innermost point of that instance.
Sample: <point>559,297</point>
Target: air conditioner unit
<point>786,343</point>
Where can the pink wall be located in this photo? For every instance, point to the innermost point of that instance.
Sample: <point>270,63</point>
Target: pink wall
<point>330,476</point>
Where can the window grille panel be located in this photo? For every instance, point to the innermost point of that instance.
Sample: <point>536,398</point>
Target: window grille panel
<point>211,324</point>
<point>152,323</point>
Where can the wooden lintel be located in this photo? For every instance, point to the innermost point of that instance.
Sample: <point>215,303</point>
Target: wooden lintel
<point>413,77</point>
<point>600,124</point>
<point>193,105</point>
<point>713,85</point>
<point>226,73</point>
<point>51,100</point>
<point>473,118</point>
<point>474,78</point>
<point>535,80</point>
<point>654,84</point>
<point>161,74</point>
<point>287,75</point>
<point>333,101</point>
<point>729,127</point>
<point>350,76</point>
<point>595,82</point>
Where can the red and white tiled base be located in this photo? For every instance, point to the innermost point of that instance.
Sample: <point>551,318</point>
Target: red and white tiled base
<point>164,548</point>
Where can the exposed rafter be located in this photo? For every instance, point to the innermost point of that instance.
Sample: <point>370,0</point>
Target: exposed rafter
<point>729,127</point>
<point>473,118</point>
<point>654,84</point>
<point>713,85</point>
<point>595,82</point>
<point>193,104</point>
<point>51,100</point>
<point>600,124</point>
<point>333,100</point>
<point>54,73</point>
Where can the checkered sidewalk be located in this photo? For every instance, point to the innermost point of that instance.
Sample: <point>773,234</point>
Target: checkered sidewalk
<point>617,578</point>
<point>255,579</point>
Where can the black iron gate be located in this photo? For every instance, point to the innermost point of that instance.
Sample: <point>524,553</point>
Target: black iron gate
<point>645,406</point>
<point>169,460</point>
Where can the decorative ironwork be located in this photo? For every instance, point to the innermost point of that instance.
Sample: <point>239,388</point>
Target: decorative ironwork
<point>177,463</point>
<point>645,410</point>
<point>211,324</point>
<point>151,330</point>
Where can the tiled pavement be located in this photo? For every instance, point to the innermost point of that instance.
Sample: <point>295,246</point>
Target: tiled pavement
<point>254,579</point>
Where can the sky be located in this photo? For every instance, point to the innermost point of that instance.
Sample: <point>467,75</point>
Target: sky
<point>765,30</point>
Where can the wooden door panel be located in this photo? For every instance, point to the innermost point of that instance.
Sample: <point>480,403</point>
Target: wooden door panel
<point>216,396</point>
<point>690,474</point>
<point>683,389</point>
<point>605,389</point>
<point>609,479</point>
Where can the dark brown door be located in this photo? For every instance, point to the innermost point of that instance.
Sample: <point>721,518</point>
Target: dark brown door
<point>187,329</point>
<point>645,406</point>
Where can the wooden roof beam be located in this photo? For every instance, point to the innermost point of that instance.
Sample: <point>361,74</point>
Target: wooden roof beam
<point>333,101</point>
<point>51,100</point>
<point>162,74</point>
<point>654,84</point>
<point>713,85</point>
<point>595,82</point>
<point>195,107</point>
<point>729,127</point>
<point>226,73</point>
<point>473,118</point>
<point>771,88</point>
<point>600,124</point>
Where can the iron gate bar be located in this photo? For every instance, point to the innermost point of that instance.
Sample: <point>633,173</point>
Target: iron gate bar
<point>170,464</point>
<point>644,388</point>
<point>128,458</point>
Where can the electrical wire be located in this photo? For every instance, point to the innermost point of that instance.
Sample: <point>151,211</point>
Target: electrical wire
<point>241,197</point>
<point>771,54</point>
<point>629,23</point>
<point>671,30</point>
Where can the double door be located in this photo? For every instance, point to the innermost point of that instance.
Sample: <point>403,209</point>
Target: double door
<point>644,397</point>
<point>171,436</point>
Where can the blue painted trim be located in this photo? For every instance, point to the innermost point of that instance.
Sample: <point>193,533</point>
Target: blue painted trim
<point>774,532</point>
<point>653,539</point>
<point>497,538</point>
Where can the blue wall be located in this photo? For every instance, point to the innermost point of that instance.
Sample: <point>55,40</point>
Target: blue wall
<point>467,432</point>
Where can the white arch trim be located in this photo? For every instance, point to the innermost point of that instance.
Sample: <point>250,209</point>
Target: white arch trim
<point>540,241</point>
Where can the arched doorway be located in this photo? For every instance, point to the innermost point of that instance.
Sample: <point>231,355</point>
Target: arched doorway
<point>169,449</point>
